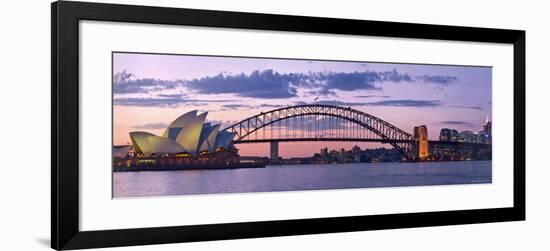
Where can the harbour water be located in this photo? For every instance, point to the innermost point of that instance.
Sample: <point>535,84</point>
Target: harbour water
<point>299,177</point>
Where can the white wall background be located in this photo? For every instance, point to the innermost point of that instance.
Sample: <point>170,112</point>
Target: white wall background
<point>25,123</point>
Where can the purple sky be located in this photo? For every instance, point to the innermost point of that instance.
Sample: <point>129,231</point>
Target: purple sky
<point>151,90</point>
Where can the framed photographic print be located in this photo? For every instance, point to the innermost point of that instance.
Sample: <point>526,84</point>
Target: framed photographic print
<point>177,125</point>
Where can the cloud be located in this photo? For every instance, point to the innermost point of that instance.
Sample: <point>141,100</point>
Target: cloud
<point>442,80</point>
<point>165,100</point>
<point>394,102</point>
<point>373,96</point>
<point>394,76</point>
<point>152,126</point>
<point>326,83</point>
<point>466,107</point>
<point>258,84</point>
<point>322,92</point>
<point>269,84</point>
<point>158,102</point>
<point>407,103</point>
<point>397,102</point>
<point>351,81</point>
<point>171,95</point>
<point>271,106</point>
<point>454,122</point>
<point>125,83</point>
<point>237,106</point>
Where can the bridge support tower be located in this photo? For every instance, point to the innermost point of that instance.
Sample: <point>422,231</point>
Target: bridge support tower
<point>274,150</point>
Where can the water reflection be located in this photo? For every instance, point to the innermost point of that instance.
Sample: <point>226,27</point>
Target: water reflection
<point>299,177</point>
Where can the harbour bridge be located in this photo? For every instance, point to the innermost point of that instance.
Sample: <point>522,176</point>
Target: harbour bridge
<point>317,122</point>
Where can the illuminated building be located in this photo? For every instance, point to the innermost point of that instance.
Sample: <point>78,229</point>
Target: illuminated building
<point>121,151</point>
<point>487,131</point>
<point>468,137</point>
<point>449,135</point>
<point>483,136</point>
<point>187,135</point>
<point>421,138</point>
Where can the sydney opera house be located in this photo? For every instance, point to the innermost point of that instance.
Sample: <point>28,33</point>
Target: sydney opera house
<point>188,140</point>
<point>188,134</point>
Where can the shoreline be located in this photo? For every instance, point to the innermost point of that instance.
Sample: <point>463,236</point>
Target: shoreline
<point>140,168</point>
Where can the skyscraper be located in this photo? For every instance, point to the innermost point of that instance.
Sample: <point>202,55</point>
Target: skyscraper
<point>274,150</point>
<point>487,131</point>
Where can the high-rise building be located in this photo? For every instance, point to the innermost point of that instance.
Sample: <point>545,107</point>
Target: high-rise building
<point>454,135</point>
<point>274,150</point>
<point>324,151</point>
<point>421,138</point>
<point>447,134</point>
<point>468,137</point>
<point>487,130</point>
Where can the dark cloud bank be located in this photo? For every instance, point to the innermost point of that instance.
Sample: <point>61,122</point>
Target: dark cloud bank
<point>454,123</point>
<point>124,83</point>
<point>269,84</point>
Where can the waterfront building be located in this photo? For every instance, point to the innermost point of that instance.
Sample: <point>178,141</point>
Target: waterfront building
<point>448,135</point>
<point>342,156</point>
<point>121,151</point>
<point>187,135</point>
<point>324,151</point>
<point>487,131</point>
<point>483,136</point>
<point>468,137</point>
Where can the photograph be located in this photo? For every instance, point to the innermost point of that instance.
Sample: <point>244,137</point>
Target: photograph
<point>211,124</point>
<point>275,125</point>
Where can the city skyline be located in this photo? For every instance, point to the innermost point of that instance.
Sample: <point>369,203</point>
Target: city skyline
<point>150,90</point>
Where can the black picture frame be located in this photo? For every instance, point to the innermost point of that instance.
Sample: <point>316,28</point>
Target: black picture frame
<point>65,233</point>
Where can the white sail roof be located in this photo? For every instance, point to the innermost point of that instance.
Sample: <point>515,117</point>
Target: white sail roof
<point>224,139</point>
<point>181,122</point>
<point>147,144</point>
<point>189,136</point>
<point>188,133</point>
<point>208,136</point>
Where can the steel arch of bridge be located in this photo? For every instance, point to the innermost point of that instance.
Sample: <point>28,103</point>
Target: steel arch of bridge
<point>386,132</point>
